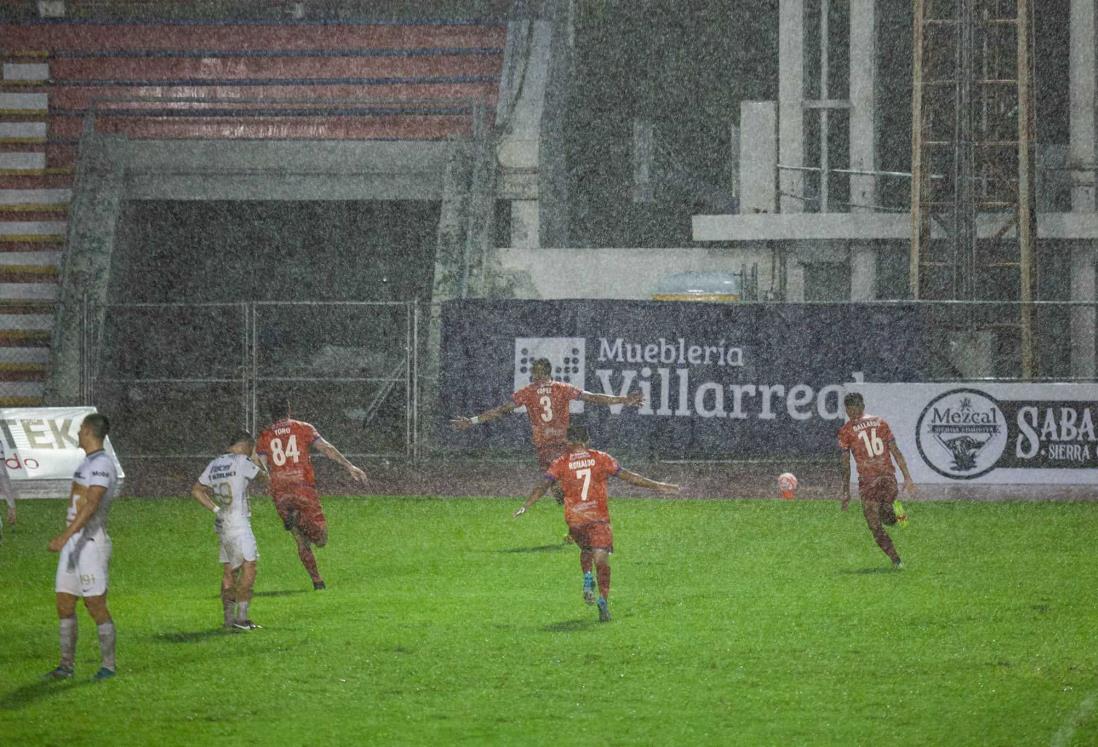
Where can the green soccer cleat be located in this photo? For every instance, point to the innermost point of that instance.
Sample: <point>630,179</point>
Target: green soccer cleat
<point>901,515</point>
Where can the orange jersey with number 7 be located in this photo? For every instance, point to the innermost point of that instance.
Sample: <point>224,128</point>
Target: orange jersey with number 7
<point>546,404</point>
<point>868,438</point>
<point>582,475</point>
<point>286,445</point>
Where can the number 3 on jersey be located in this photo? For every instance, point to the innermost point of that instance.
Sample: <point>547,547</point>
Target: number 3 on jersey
<point>546,409</point>
<point>279,455</point>
<point>874,446</point>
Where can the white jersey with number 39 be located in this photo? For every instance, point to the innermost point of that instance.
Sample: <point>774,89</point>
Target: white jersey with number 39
<point>228,477</point>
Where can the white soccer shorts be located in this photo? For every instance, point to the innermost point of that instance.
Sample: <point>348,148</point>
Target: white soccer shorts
<point>83,566</point>
<point>238,546</point>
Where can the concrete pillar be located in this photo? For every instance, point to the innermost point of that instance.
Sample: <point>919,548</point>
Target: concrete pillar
<point>758,157</point>
<point>1081,152</point>
<point>790,103</point>
<point>863,139</point>
<point>89,246</point>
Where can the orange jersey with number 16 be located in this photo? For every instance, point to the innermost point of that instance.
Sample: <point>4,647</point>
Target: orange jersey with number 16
<point>546,404</point>
<point>868,438</point>
<point>286,445</point>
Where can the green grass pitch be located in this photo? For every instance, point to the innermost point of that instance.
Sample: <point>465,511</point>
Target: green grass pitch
<point>449,622</point>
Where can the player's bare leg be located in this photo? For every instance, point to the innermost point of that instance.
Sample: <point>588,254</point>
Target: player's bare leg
<point>872,512</point>
<point>66,616</point>
<point>602,569</point>
<point>97,607</point>
<point>587,562</point>
<point>228,595</point>
<point>305,553</point>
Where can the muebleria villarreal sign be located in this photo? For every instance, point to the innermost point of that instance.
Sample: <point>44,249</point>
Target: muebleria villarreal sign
<point>992,433</point>
<point>719,381</point>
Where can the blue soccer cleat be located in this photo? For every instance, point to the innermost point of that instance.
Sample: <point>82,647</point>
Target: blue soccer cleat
<point>61,673</point>
<point>103,674</point>
<point>604,610</point>
<point>588,588</point>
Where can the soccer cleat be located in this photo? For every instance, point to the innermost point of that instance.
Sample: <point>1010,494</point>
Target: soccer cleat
<point>103,674</point>
<point>568,539</point>
<point>61,673</point>
<point>588,589</point>
<point>246,625</point>
<point>604,610</point>
<point>898,565</point>
<point>319,586</point>
<point>901,515</point>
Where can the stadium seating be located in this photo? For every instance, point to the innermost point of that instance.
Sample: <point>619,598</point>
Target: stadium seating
<point>206,80</point>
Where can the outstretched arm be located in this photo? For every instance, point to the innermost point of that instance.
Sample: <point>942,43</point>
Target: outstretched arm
<point>332,453</point>
<point>463,423</point>
<point>640,481</point>
<point>8,491</point>
<point>541,489</point>
<point>844,476</point>
<point>909,484</point>
<point>635,399</point>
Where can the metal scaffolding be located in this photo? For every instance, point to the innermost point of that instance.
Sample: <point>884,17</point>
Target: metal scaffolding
<point>973,206</point>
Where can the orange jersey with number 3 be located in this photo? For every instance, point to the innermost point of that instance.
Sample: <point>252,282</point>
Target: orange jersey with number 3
<point>546,404</point>
<point>286,445</point>
<point>868,438</point>
<point>582,475</point>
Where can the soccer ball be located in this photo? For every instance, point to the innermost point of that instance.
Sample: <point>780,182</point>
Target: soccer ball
<point>787,485</point>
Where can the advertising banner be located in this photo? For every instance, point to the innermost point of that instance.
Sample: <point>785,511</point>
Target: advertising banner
<point>721,381</point>
<point>41,449</point>
<point>1012,434</point>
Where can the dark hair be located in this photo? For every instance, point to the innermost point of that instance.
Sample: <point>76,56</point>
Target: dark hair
<point>854,399</point>
<point>278,408</point>
<point>99,424</point>
<point>239,436</point>
<point>577,434</point>
<point>544,364</point>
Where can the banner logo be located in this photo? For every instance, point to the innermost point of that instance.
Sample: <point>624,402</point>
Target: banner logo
<point>567,354</point>
<point>962,434</point>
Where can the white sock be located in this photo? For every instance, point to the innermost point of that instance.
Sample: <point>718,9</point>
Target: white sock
<point>68,641</point>
<point>106,644</point>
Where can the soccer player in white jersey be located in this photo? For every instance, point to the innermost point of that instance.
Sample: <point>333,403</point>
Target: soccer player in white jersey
<point>7,490</point>
<point>86,549</point>
<point>223,489</point>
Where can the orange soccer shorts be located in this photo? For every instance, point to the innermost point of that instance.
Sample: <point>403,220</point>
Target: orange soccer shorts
<point>593,536</point>
<point>302,509</point>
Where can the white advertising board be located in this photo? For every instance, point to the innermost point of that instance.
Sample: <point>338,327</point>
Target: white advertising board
<point>41,449</point>
<point>1005,434</point>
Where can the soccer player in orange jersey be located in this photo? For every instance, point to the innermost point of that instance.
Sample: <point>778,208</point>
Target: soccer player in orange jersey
<point>870,441</point>
<point>546,403</point>
<point>583,474</point>
<point>283,447</point>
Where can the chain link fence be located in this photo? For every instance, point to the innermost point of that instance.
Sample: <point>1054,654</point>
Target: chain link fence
<point>181,377</point>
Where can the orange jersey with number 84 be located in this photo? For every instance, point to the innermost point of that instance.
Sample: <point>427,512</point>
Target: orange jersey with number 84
<point>286,445</point>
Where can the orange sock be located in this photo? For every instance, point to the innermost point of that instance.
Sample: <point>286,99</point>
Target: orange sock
<point>604,580</point>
